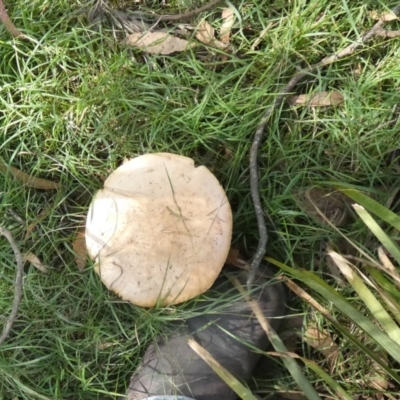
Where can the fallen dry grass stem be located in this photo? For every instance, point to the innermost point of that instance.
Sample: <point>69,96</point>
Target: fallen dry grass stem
<point>224,374</point>
<point>18,284</point>
<point>306,297</point>
<point>255,308</point>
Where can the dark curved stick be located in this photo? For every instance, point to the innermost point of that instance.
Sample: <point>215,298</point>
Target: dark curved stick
<point>254,187</point>
<point>10,27</point>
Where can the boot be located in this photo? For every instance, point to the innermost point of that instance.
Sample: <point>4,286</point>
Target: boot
<point>170,368</point>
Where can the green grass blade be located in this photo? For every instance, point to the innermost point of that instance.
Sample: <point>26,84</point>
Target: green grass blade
<point>293,367</point>
<point>373,304</point>
<point>316,368</point>
<point>317,284</point>
<point>373,206</point>
<point>378,232</point>
<point>242,391</point>
<point>385,284</point>
<point>327,378</point>
<point>290,364</point>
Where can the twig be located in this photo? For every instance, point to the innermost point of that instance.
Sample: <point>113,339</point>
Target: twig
<point>10,27</point>
<point>18,284</point>
<point>387,33</point>
<point>16,216</point>
<point>254,186</point>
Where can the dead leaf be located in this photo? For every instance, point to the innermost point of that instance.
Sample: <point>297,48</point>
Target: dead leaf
<point>385,17</point>
<point>157,42</point>
<point>30,257</point>
<point>377,378</point>
<point>322,341</point>
<point>105,345</point>
<point>357,71</point>
<point>79,247</point>
<point>39,219</point>
<point>334,205</point>
<point>386,263</point>
<point>205,34</point>
<point>234,258</point>
<point>320,99</point>
<point>228,153</point>
<point>229,18</point>
<point>28,180</point>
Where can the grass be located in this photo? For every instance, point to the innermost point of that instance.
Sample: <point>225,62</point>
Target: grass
<point>74,105</point>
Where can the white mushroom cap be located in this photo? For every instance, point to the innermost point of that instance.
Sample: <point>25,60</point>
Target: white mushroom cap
<point>160,230</point>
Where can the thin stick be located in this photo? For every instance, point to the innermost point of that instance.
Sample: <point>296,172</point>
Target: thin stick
<point>254,186</point>
<point>10,27</point>
<point>18,284</point>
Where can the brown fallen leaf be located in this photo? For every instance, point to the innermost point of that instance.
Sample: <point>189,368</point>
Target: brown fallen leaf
<point>320,99</point>
<point>229,18</point>
<point>378,379</point>
<point>105,345</point>
<point>334,205</point>
<point>34,260</point>
<point>322,341</point>
<point>234,258</point>
<point>28,180</point>
<point>205,34</point>
<point>357,70</point>
<point>79,247</point>
<point>382,16</point>
<point>157,42</point>
<point>386,263</point>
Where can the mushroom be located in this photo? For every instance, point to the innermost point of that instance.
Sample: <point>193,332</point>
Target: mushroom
<point>160,230</point>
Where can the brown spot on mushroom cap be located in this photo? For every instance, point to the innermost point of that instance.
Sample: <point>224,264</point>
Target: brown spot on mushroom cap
<point>160,230</point>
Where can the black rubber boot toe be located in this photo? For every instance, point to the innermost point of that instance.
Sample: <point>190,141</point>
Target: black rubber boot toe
<point>171,367</point>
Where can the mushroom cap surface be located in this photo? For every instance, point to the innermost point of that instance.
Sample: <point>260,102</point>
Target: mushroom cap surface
<point>160,230</point>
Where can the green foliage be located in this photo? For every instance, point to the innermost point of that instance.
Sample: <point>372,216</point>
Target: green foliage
<point>382,300</point>
<point>73,104</point>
